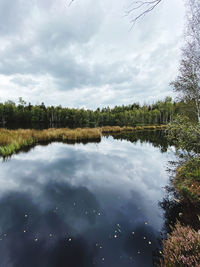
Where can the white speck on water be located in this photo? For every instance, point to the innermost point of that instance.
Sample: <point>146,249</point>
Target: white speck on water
<point>69,239</point>
<point>149,242</point>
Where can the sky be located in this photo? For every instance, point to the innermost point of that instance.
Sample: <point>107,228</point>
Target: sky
<point>87,55</point>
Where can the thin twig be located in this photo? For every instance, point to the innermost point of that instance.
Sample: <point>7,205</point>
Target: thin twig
<point>71,2</point>
<point>146,6</point>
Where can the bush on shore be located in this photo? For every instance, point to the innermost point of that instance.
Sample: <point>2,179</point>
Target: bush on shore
<point>187,181</point>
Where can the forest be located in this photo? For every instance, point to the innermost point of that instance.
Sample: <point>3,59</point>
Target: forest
<point>23,115</point>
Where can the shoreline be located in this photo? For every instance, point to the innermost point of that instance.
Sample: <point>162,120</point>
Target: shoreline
<point>12,141</point>
<point>185,235</point>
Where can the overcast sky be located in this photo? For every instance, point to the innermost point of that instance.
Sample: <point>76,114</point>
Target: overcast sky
<point>86,55</point>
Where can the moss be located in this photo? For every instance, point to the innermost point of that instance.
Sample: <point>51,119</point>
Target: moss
<point>187,181</point>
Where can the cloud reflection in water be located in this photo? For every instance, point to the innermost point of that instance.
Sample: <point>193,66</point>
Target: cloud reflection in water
<point>93,205</point>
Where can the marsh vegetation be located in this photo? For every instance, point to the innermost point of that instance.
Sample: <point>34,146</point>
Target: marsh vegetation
<point>12,141</point>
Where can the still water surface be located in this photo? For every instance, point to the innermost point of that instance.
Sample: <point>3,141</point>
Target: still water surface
<point>82,205</point>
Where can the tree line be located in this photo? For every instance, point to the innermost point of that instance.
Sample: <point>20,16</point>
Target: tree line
<point>41,116</point>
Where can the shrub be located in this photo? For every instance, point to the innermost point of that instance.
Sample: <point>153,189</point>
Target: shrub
<point>187,181</point>
<point>182,248</point>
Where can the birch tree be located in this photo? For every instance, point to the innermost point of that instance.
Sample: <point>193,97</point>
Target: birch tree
<point>187,84</point>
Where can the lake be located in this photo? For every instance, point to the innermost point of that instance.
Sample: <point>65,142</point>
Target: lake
<point>83,205</point>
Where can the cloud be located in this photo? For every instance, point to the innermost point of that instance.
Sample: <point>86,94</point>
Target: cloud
<point>24,81</point>
<point>78,51</point>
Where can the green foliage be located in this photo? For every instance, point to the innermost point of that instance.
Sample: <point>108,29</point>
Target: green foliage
<point>187,181</point>
<point>29,115</point>
<point>184,134</point>
<point>186,137</point>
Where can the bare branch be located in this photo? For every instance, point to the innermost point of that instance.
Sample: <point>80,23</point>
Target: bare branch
<point>71,2</point>
<point>143,7</point>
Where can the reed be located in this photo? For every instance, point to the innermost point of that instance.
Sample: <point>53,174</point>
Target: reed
<point>12,141</point>
<point>115,129</point>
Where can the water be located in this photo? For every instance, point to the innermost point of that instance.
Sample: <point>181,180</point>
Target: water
<point>83,205</point>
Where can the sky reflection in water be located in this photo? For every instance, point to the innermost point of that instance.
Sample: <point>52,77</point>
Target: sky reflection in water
<point>82,205</point>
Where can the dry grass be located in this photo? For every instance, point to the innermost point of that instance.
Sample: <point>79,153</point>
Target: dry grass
<point>12,141</point>
<point>115,129</point>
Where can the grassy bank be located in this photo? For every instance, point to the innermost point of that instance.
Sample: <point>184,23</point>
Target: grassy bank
<point>182,247</point>
<point>12,141</point>
<point>187,181</point>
